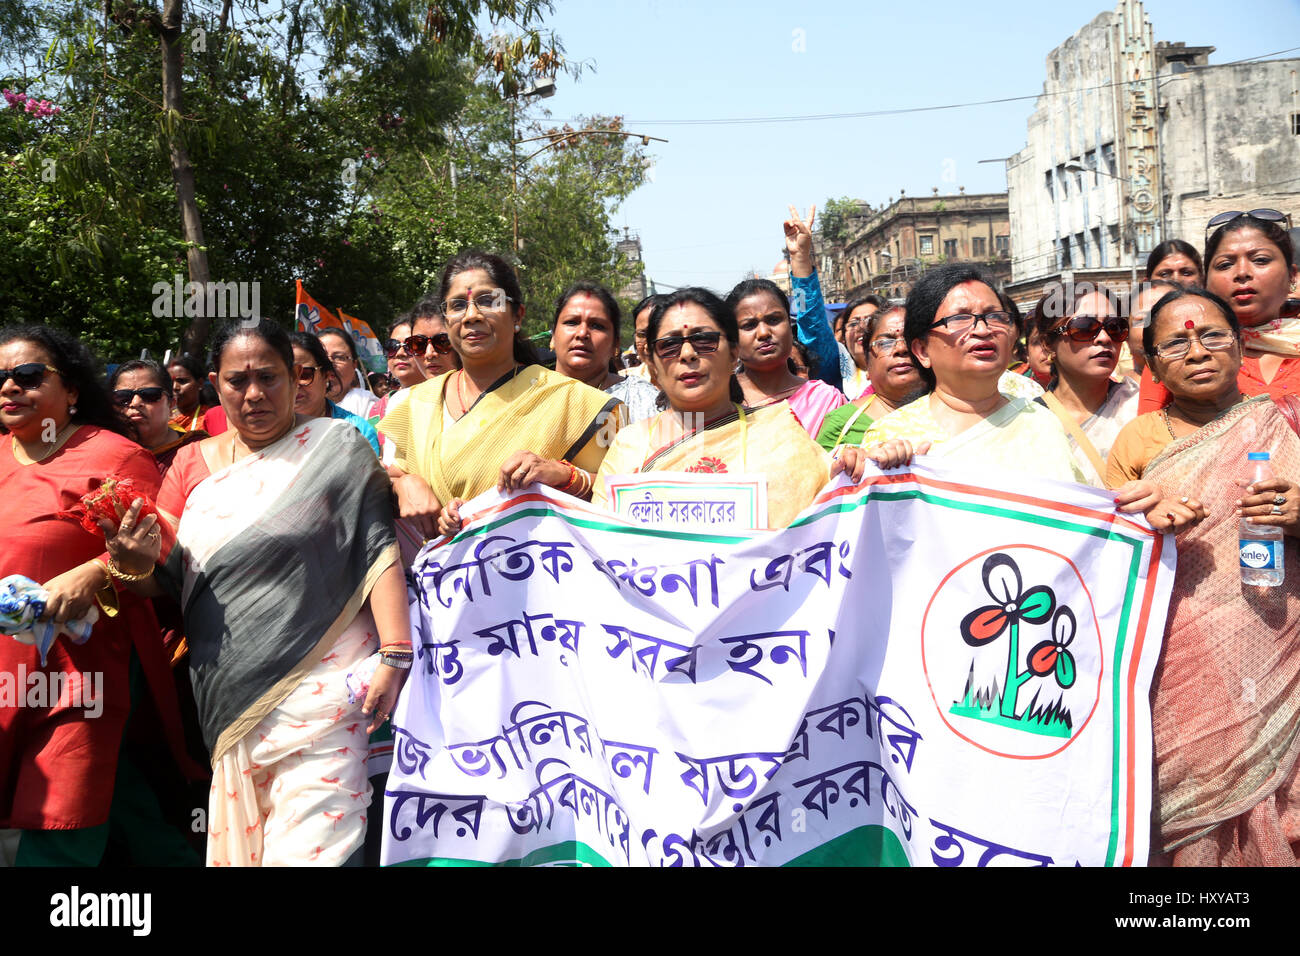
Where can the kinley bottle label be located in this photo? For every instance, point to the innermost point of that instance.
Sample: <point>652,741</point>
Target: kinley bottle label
<point>1260,555</point>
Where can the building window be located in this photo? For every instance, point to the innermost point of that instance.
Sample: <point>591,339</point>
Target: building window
<point>1063,180</point>
<point>1096,244</point>
<point>977,247</point>
<point>1082,247</point>
<point>1002,244</point>
<point>950,248</point>
<point>1051,189</point>
<point>1063,253</point>
<point>927,245</point>
<point>1295,124</point>
<point>1108,158</point>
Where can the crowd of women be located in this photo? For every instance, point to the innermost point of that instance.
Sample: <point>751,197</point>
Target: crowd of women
<point>246,587</point>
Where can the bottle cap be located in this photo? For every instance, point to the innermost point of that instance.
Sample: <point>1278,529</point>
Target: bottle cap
<point>1257,456</point>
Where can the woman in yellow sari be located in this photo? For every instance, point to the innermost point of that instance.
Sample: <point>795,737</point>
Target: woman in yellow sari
<point>693,339</point>
<point>960,336</point>
<point>455,431</point>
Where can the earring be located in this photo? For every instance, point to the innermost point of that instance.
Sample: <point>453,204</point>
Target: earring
<point>72,409</point>
<point>516,328</point>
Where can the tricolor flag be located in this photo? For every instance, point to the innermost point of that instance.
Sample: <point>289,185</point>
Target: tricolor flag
<point>313,317</point>
<point>372,352</point>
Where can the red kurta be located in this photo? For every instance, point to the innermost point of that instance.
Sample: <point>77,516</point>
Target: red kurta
<point>56,764</point>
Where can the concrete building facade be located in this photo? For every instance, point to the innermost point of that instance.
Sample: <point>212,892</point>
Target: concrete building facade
<point>1133,142</point>
<point>891,247</point>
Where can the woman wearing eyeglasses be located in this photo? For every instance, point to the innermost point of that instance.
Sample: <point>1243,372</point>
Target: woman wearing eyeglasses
<point>142,390</point>
<point>1082,328</point>
<point>454,436</point>
<point>352,395</point>
<point>58,759</point>
<point>314,371</point>
<point>961,337</point>
<point>1225,709</point>
<point>857,312</point>
<point>693,340</point>
<point>1250,264</point>
<point>893,375</point>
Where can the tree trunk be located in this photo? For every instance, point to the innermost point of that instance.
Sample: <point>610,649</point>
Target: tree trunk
<point>170,38</point>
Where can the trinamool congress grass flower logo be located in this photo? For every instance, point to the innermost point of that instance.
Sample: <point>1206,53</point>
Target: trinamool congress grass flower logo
<point>1022,688</point>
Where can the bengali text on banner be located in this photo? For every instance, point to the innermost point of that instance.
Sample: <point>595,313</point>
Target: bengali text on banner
<point>920,671</point>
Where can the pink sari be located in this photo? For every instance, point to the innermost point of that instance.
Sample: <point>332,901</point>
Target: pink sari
<point>812,401</point>
<point>1226,693</point>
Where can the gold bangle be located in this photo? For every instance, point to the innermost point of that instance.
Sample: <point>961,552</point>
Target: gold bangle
<point>121,575</point>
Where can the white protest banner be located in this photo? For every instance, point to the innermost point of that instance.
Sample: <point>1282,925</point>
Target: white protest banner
<point>920,671</point>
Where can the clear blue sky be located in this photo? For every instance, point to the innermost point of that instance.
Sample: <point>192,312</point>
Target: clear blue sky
<point>714,209</point>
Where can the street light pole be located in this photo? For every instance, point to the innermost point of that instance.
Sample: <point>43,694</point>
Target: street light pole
<point>555,142</point>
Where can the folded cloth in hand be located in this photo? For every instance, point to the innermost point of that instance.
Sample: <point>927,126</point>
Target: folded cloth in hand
<point>358,681</point>
<point>22,602</point>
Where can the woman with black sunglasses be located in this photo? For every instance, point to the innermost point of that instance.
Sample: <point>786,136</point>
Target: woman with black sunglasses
<point>693,342</point>
<point>59,759</point>
<point>1083,331</point>
<point>1250,264</point>
<point>405,352</point>
<point>314,371</point>
<point>143,393</point>
<point>429,338</point>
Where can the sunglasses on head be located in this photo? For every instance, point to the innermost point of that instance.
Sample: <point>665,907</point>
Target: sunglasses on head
<point>1264,215</point>
<point>1085,328</point>
<point>416,344</point>
<point>150,395</point>
<point>27,375</point>
<point>670,346</point>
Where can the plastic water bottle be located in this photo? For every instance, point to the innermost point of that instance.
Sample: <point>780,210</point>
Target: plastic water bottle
<point>1260,544</point>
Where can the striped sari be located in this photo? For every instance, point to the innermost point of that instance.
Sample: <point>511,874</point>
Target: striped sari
<point>531,408</point>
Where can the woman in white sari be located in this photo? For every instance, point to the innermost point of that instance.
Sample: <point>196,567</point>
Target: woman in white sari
<point>285,563</point>
<point>1083,331</point>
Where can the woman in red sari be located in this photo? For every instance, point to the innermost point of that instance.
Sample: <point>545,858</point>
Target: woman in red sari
<point>1250,263</point>
<point>58,756</point>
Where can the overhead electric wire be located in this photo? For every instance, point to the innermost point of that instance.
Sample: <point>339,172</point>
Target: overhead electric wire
<point>866,114</point>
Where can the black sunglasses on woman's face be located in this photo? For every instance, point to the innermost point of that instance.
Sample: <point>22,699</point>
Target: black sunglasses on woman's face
<point>670,346</point>
<point>28,375</point>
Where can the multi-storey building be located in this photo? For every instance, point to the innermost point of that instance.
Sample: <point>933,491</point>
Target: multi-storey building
<point>889,248</point>
<point>1133,142</point>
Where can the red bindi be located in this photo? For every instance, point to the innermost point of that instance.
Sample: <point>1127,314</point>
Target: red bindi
<point>1189,324</point>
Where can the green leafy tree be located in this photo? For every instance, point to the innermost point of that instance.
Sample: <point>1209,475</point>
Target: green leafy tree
<point>356,145</point>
